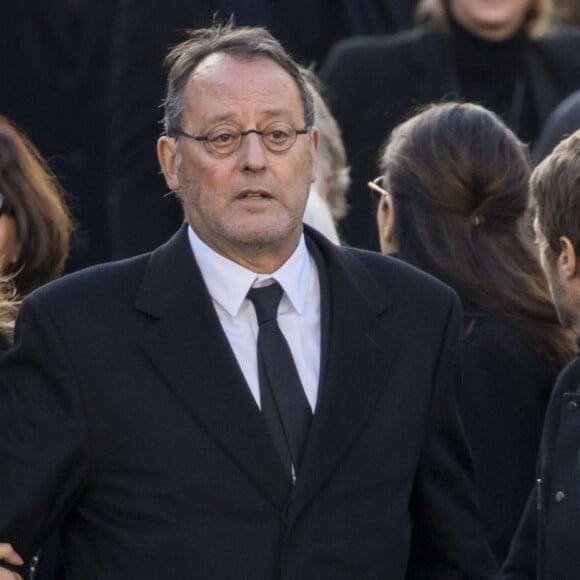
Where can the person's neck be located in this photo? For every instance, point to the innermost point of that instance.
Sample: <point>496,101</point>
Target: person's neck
<point>474,53</point>
<point>501,33</point>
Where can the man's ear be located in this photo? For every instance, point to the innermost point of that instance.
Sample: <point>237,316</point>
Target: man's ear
<point>314,143</point>
<point>567,260</point>
<point>167,155</point>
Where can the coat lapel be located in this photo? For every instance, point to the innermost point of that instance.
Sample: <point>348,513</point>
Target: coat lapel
<point>189,348</point>
<point>361,349</point>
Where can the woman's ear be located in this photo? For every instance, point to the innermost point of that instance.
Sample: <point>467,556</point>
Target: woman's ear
<point>567,261</point>
<point>386,223</point>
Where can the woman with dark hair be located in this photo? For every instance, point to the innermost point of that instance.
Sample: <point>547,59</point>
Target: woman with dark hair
<point>455,194</point>
<point>35,224</point>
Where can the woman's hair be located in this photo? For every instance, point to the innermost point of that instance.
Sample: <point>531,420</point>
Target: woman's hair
<point>36,203</point>
<point>458,178</point>
<point>537,19</point>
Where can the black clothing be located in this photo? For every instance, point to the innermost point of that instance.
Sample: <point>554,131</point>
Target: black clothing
<point>505,391</point>
<point>124,415</point>
<point>548,537</point>
<point>563,121</point>
<point>494,74</point>
<point>374,83</point>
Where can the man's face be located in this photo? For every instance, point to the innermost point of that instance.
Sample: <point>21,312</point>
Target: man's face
<point>249,203</point>
<point>565,307</point>
<point>491,19</point>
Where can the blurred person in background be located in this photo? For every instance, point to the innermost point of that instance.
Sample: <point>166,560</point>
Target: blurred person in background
<point>491,53</point>
<point>54,77</point>
<point>547,540</point>
<point>326,204</point>
<point>455,192</point>
<point>562,122</point>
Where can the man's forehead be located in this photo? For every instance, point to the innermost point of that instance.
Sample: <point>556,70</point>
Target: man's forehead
<point>218,67</point>
<point>222,85</point>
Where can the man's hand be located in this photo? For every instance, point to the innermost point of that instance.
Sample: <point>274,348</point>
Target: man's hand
<point>7,554</point>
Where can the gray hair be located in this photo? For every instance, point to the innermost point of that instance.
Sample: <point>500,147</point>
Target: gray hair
<point>331,153</point>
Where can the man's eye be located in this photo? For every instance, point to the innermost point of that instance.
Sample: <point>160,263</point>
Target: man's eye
<point>222,138</point>
<point>277,135</point>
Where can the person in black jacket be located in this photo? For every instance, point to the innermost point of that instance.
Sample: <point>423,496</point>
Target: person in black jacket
<point>456,184</point>
<point>464,52</point>
<point>134,411</point>
<point>547,540</point>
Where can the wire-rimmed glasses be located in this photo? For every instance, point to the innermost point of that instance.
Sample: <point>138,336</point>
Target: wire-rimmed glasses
<point>225,139</point>
<point>374,186</point>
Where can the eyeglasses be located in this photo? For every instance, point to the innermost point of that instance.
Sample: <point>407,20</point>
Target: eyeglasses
<point>225,139</point>
<point>5,209</point>
<point>374,186</point>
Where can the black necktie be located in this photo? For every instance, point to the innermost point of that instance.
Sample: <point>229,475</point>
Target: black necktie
<point>283,401</point>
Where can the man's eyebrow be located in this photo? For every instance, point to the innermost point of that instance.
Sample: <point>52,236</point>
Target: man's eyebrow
<point>230,117</point>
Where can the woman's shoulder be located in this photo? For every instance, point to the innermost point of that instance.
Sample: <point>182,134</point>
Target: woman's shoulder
<point>500,347</point>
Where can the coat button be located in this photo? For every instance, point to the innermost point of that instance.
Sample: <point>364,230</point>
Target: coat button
<point>560,496</point>
<point>572,406</point>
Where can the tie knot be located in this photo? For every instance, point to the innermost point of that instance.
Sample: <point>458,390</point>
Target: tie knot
<point>266,300</point>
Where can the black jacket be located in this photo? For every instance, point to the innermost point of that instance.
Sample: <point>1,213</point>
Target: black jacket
<point>503,399</point>
<point>548,537</point>
<point>124,417</point>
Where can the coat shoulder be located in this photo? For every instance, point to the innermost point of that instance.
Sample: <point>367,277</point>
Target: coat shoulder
<point>108,282</point>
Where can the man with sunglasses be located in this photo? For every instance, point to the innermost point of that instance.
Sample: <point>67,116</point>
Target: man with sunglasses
<point>248,401</point>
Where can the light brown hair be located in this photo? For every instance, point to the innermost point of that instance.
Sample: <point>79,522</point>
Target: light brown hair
<point>458,178</point>
<point>555,190</point>
<point>536,21</point>
<point>36,203</point>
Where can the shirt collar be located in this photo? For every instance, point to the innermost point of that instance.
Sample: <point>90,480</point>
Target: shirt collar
<point>228,283</point>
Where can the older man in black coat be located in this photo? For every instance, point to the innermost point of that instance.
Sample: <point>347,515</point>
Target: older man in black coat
<point>138,408</point>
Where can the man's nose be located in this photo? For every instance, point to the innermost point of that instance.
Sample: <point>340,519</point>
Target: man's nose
<point>253,152</point>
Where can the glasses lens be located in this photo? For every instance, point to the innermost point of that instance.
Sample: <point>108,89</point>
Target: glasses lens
<point>279,136</point>
<point>224,139</point>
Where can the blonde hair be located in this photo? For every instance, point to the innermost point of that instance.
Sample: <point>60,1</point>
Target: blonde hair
<point>8,308</point>
<point>537,19</point>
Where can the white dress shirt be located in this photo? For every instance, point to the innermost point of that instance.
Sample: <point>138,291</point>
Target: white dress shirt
<point>228,284</point>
